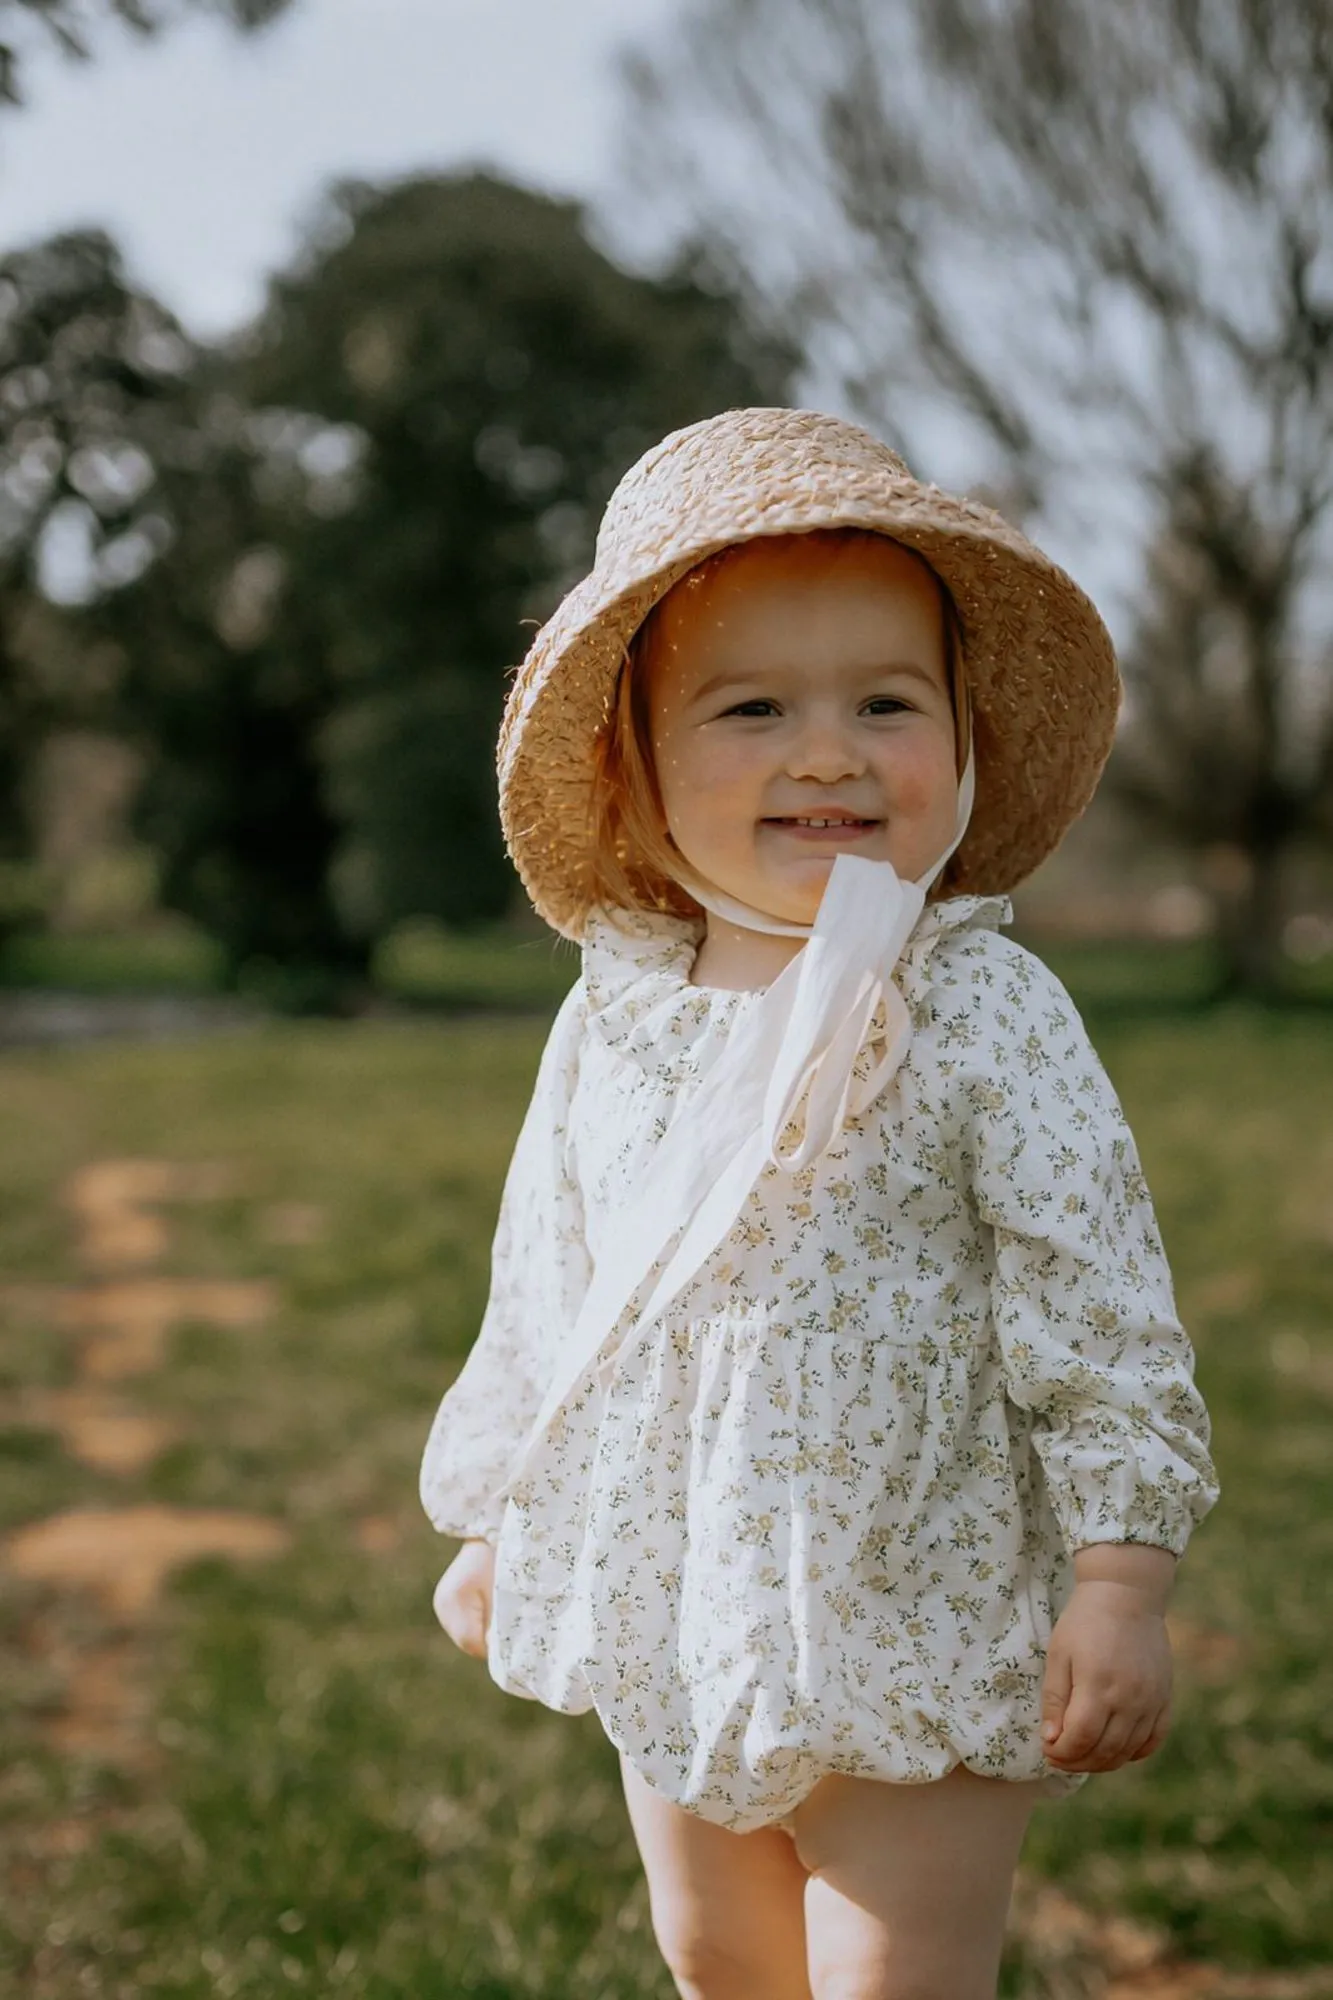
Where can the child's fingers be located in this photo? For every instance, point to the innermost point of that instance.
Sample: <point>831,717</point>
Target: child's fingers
<point>443,1600</point>
<point>1085,1747</point>
<point>1155,1737</point>
<point>1085,1719</point>
<point>463,1612</point>
<point>1055,1694</point>
<point>471,1636</point>
<point>1112,1746</point>
<point>467,1625</point>
<point>1121,1742</point>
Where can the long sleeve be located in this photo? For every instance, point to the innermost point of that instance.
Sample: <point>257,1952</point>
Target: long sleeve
<point>539,1272</point>
<point>1081,1292</point>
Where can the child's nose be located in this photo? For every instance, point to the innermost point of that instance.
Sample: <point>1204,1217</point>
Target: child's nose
<point>826,749</point>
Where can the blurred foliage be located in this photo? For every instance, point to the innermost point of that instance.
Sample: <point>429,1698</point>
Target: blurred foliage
<point>125,466</point>
<point>424,964</point>
<point>293,570</point>
<point>92,404</point>
<point>485,375</point>
<point>178,960</point>
<point>82,358</point>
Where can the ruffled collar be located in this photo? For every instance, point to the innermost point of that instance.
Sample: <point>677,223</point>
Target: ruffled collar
<point>640,1002</point>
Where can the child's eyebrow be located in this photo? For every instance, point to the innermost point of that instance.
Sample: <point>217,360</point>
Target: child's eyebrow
<point>878,670</point>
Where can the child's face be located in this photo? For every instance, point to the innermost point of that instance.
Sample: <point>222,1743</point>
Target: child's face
<point>803,680</point>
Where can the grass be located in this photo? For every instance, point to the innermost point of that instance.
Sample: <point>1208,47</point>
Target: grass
<point>331,1799</point>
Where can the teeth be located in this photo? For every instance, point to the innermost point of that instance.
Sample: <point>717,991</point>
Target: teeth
<point>827,822</point>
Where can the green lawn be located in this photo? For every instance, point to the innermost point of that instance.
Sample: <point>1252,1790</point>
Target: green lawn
<point>326,1796</point>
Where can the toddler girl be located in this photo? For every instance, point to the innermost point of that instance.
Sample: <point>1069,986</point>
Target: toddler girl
<point>830,1430</point>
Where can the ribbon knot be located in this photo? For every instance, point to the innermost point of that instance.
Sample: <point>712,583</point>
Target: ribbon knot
<point>844,980</point>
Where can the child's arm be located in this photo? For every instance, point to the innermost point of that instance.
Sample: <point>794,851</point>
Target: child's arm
<point>1081,1294</point>
<point>1084,1313</point>
<point>539,1272</point>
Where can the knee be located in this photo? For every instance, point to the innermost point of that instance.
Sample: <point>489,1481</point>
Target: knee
<point>883,1980</point>
<point>888,1986</point>
<point>706,1961</point>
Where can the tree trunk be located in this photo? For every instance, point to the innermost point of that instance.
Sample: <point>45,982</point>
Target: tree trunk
<point>1251,910</point>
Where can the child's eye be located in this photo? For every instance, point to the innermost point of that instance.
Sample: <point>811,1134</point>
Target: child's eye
<point>880,704</point>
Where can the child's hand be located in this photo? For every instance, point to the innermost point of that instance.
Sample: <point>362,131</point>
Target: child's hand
<point>463,1597</point>
<point>1108,1679</point>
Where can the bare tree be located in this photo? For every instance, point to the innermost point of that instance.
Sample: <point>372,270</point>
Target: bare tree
<point>73,25</point>
<point>1088,249</point>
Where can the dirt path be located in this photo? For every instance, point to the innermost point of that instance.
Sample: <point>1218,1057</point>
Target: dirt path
<point>120,1320</point>
<point>124,1555</point>
<point>1075,1952</point>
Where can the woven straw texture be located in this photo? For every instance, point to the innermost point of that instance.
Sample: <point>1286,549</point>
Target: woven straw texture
<point>1039,661</point>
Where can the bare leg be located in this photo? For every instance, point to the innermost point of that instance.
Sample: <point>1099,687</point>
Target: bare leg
<point>909,1885</point>
<point>727,1907</point>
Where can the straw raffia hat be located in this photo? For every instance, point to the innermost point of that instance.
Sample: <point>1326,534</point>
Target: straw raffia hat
<point>1039,662</point>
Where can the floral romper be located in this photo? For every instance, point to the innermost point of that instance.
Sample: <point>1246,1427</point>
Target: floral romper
<point>820,1515</point>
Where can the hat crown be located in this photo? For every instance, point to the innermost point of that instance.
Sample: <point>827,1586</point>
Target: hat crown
<point>735,465</point>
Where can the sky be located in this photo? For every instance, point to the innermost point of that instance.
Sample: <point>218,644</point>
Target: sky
<point>202,151</point>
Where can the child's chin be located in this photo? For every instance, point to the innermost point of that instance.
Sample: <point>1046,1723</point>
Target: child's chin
<point>793,902</point>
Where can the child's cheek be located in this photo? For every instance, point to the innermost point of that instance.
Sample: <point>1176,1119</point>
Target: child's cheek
<point>731,769</point>
<point>918,792</point>
<point>922,783</point>
<point>722,782</point>
<point>711,795</point>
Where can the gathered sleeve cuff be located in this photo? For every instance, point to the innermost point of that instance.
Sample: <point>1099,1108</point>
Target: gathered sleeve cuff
<point>539,1272</point>
<point>1081,1292</point>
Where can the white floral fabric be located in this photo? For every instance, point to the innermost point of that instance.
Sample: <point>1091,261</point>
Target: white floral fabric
<point>821,1514</point>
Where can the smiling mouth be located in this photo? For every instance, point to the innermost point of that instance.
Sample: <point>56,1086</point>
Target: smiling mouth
<point>822,823</point>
